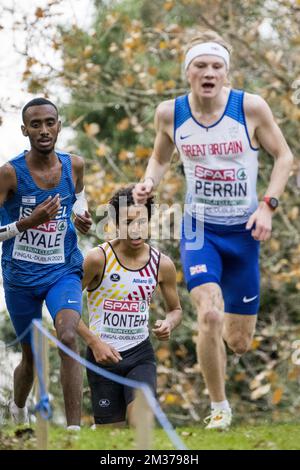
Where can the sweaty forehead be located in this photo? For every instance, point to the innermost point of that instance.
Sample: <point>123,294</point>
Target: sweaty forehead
<point>41,112</point>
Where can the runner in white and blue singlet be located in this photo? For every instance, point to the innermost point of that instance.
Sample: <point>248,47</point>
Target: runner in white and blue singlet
<point>40,257</point>
<point>217,132</point>
<point>220,166</point>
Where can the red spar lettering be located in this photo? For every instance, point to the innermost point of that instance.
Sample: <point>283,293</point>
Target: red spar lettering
<point>214,175</point>
<point>121,305</point>
<point>47,227</point>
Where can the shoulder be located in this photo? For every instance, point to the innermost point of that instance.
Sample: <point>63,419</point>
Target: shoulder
<point>165,112</point>
<point>8,179</point>
<point>256,107</point>
<point>95,258</point>
<point>7,170</point>
<point>8,176</point>
<point>167,268</point>
<point>77,162</point>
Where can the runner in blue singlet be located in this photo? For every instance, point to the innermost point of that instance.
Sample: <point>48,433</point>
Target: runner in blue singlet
<point>41,261</point>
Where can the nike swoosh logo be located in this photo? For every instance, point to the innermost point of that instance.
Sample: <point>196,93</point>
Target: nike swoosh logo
<point>246,300</point>
<point>72,302</point>
<point>182,137</point>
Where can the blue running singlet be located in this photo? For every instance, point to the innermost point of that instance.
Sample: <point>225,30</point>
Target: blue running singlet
<point>41,255</point>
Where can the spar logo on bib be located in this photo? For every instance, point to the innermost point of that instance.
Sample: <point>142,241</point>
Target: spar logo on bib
<point>61,225</point>
<point>241,174</point>
<point>121,306</point>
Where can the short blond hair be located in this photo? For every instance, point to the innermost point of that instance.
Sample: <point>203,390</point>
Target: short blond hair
<point>208,35</point>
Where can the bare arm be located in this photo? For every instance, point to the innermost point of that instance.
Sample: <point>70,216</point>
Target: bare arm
<point>103,352</point>
<point>272,140</point>
<point>159,161</point>
<point>83,220</point>
<point>269,135</point>
<point>163,145</point>
<point>8,182</point>
<point>77,172</point>
<point>93,267</point>
<point>168,286</point>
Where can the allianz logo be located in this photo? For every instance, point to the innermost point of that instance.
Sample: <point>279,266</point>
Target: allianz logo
<point>143,281</point>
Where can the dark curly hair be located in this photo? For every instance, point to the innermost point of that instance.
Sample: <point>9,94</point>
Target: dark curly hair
<point>127,193</point>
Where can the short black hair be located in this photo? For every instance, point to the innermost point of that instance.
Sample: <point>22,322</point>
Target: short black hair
<point>37,102</point>
<point>126,192</point>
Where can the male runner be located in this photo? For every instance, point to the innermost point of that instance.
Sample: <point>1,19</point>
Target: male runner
<point>217,131</point>
<point>40,259</point>
<point>121,277</point>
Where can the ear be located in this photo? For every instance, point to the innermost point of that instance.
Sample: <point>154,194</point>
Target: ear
<point>24,131</point>
<point>59,126</point>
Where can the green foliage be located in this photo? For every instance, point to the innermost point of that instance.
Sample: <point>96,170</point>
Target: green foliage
<point>116,74</point>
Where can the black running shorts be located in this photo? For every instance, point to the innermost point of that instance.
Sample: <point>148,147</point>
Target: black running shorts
<point>110,399</point>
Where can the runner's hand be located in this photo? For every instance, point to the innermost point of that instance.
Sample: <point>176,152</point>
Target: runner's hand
<point>261,223</point>
<point>142,191</point>
<point>162,330</point>
<point>104,353</point>
<point>83,223</point>
<point>42,213</point>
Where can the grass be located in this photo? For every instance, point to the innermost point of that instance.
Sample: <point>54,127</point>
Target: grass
<point>260,437</point>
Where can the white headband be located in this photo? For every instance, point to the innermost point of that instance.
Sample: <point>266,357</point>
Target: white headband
<point>207,48</point>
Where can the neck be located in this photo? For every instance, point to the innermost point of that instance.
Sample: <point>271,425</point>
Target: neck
<point>208,105</point>
<point>40,159</point>
<point>127,251</point>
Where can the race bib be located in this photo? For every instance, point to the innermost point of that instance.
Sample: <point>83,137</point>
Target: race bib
<point>222,191</point>
<point>122,322</point>
<point>44,244</point>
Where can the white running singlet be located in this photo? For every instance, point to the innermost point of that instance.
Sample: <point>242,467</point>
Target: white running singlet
<point>119,306</point>
<point>219,161</point>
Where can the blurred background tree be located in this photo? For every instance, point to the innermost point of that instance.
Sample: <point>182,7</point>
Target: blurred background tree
<point>114,75</point>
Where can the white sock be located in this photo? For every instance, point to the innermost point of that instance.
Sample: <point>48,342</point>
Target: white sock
<point>220,405</point>
<point>15,409</point>
<point>19,415</point>
<point>73,427</point>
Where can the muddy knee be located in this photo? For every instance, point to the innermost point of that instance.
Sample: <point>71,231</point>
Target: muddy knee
<point>239,344</point>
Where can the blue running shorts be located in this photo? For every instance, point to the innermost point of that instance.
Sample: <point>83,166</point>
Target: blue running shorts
<point>25,303</point>
<point>227,256</point>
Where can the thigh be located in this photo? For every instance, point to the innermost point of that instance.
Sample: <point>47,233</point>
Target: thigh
<point>65,294</point>
<point>241,278</point>
<point>144,372</point>
<point>23,306</point>
<point>107,397</point>
<point>201,266</point>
